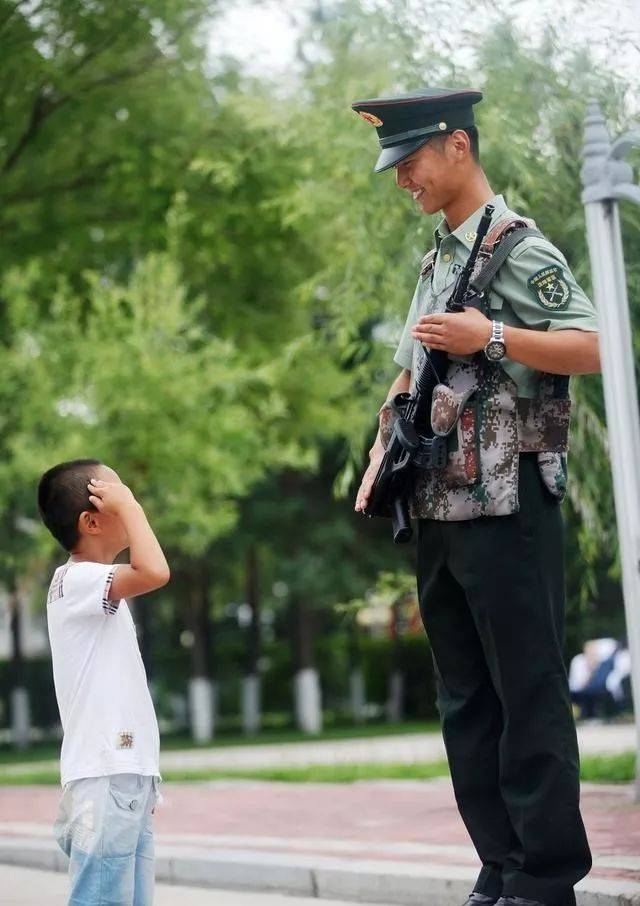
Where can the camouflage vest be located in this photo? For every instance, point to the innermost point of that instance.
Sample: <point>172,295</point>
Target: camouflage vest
<point>477,408</point>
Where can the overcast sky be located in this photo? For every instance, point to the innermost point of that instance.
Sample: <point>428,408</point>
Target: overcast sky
<point>263,35</point>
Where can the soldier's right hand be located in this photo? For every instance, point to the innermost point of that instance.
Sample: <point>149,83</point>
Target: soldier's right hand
<point>364,491</point>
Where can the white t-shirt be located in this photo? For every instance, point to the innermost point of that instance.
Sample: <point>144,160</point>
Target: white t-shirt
<point>107,715</point>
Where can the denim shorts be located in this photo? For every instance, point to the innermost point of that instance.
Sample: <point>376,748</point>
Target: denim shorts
<point>104,825</point>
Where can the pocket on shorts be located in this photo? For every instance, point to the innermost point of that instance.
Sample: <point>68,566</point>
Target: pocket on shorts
<point>124,817</point>
<point>126,790</point>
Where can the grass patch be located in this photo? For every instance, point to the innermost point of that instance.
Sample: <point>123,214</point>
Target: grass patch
<point>595,769</point>
<point>321,773</point>
<point>31,778</point>
<point>608,768</point>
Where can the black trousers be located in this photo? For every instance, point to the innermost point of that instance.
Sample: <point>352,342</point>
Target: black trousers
<point>491,594</point>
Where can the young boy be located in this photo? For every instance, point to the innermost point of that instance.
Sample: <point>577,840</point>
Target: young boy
<point>110,751</point>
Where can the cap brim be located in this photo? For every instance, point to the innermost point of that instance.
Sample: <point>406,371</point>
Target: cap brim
<point>389,157</point>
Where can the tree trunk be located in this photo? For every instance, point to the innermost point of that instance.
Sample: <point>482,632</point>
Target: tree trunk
<point>251,692</point>
<point>357,691</point>
<point>307,693</point>
<point>302,635</point>
<point>202,692</point>
<point>395,700</point>
<point>253,600</point>
<point>20,710</point>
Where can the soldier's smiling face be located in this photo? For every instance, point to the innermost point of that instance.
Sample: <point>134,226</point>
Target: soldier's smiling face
<point>436,172</point>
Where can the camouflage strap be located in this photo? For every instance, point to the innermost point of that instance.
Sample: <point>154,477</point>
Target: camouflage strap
<point>500,255</point>
<point>505,226</point>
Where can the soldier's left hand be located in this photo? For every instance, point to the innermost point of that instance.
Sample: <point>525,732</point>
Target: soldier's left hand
<point>460,333</point>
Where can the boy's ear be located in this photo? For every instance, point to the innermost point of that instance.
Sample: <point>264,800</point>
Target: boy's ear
<point>88,524</point>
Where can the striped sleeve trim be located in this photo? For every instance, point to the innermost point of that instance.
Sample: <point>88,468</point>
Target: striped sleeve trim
<point>56,590</point>
<point>107,605</point>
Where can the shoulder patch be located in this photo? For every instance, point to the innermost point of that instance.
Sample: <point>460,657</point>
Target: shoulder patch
<point>550,288</point>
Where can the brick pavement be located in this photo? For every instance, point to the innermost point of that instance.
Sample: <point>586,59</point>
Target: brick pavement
<point>412,822</point>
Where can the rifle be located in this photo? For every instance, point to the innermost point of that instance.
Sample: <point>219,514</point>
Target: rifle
<point>413,444</point>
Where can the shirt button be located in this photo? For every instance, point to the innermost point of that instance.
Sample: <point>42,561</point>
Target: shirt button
<point>133,805</point>
<point>446,257</point>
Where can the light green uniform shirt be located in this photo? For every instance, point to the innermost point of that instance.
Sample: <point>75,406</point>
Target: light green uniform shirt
<point>515,293</point>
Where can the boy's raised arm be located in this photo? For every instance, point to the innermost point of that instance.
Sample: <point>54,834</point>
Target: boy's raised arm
<point>148,568</point>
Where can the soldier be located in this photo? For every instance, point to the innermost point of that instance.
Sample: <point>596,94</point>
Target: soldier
<point>490,535</point>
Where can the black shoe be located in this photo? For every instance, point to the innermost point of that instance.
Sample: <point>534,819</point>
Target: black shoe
<point>517,901</point>
<point>479,899</point>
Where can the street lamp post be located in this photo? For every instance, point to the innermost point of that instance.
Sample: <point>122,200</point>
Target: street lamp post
<point>607,178</point>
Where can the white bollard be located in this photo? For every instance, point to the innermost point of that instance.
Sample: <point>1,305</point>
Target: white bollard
<point>202,708</point>
<point>20,717</point>
<point>308,706</point>
<point>357,695</point>
<point>251,703</point>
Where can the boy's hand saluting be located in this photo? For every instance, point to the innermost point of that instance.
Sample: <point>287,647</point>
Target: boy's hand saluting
<point>110,497</point>
<point>460,333</point>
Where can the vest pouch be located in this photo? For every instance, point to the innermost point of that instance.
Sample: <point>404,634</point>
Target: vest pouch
<point>553,471</point>
<point>543,424</point>
<point>454,416</point>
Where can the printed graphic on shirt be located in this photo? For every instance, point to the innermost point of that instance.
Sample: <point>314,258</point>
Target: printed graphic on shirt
<point>125,739</point>
<point>55,589</point>
<point>550,288</point>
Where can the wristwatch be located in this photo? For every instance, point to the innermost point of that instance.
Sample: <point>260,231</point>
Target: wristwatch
<point>496,348</point>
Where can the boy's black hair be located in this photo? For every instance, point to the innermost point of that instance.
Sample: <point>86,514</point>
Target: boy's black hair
<point>63,495</point>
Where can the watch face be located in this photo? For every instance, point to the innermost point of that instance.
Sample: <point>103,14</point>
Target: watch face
<point>495,350</point>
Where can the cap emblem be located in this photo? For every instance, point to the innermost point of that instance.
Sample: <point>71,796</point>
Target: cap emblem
<point>370,118</point>
<point>442,126</point>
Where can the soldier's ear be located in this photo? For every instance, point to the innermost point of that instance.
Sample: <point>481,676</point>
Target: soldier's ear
<point>459,142</point>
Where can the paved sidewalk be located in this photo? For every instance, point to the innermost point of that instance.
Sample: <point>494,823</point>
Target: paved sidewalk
<point>410,748</point>
<point>380,842</point>
<point>33,887</point>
